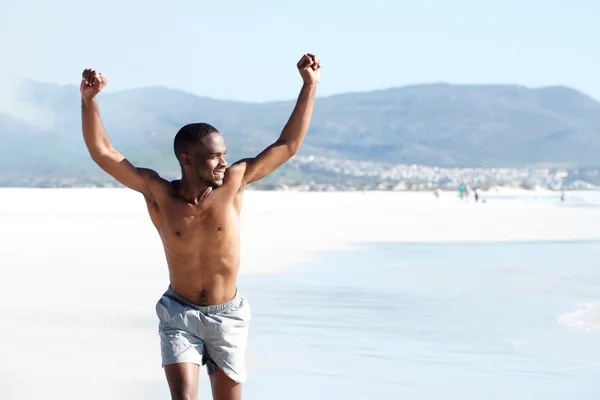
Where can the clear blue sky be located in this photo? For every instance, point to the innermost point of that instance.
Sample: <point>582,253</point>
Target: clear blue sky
<point>247,50</point>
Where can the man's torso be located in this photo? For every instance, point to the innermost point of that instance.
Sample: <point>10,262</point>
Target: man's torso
<point>201,241</point>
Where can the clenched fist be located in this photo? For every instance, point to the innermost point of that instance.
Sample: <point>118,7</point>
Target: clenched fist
<point>310,68</point>
<point>92,82</point>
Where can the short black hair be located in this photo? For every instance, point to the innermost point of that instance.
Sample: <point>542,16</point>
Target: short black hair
<point>191,134</point>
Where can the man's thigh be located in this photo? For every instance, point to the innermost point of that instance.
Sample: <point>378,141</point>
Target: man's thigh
<point>224,388</point>
<point>183,380</point>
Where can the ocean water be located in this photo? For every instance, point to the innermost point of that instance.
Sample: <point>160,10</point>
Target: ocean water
<point>430,321</point>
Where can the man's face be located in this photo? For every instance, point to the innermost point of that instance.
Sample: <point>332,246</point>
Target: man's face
<point>206,160</point>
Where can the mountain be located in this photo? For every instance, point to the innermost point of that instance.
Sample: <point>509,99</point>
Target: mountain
<point>433,124</point>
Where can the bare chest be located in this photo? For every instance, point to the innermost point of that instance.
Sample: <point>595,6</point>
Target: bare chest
<point>187,227</point>
<point>180,225</point>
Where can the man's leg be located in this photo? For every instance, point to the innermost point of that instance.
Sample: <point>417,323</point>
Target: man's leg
<point>183,380</point>
<point>224,388</point>
<point>225,347</point>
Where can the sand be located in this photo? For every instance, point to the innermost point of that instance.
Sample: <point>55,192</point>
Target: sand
<point>83,268</point>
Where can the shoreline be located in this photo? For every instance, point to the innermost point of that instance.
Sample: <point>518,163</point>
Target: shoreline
<point>281,229</point>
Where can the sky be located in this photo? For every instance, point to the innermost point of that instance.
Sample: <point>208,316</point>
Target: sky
<point>247,50</point>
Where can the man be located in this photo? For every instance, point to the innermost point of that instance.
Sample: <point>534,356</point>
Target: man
<point>203,320</point>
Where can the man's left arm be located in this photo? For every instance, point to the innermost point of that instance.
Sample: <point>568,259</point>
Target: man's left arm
<point>294,131</point>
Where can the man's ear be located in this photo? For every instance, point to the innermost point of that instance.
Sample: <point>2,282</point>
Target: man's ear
<point>185,159</point>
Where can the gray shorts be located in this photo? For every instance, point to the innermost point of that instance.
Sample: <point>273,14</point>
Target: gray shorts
<point>215,336</point>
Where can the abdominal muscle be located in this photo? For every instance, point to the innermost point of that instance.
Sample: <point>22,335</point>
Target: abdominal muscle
<point>204,272</point>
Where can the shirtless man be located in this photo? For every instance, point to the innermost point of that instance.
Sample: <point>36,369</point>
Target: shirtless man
<point>203,320</point>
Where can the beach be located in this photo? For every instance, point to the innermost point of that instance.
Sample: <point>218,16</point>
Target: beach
<point>83,269</point>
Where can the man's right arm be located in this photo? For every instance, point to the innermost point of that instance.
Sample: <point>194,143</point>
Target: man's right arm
<point>98,143</point>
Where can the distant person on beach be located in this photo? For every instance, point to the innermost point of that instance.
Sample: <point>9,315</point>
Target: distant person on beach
<point>203,319</point>
<point>461,191</point>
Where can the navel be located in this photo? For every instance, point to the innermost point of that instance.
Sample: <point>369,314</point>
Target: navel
<point>178,233</point>
<point>220,228</point>
<point>201,301</point>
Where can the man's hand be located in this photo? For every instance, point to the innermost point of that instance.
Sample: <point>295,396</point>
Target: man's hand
<point>310,69</point>
<point>92,82</point>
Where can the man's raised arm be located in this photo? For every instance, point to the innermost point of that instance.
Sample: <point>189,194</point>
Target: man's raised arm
<point>97,141</point>
<point>294,131</point>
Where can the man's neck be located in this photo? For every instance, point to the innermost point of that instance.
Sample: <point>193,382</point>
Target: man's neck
<point>192,190</point>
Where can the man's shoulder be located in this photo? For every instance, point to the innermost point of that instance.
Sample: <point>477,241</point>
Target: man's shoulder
<point>238,166</point>
<point>233,180</point>
<point>235,173</point>
<point>155,183</point>
<point>148,174</point>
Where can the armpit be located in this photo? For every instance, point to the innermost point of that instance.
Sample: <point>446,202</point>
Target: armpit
<point>152,203</point>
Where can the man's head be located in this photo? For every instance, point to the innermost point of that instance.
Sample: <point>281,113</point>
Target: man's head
<point>200,149</point>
